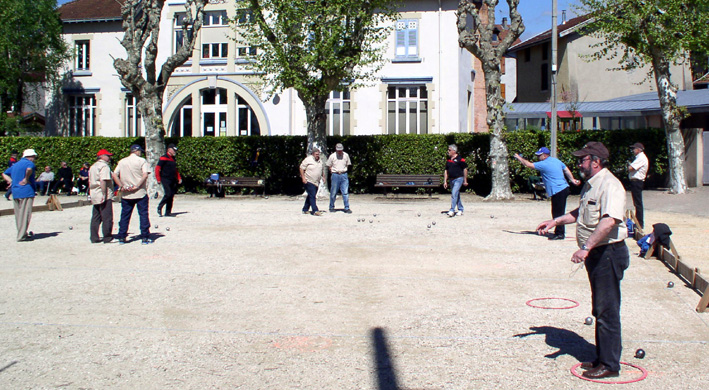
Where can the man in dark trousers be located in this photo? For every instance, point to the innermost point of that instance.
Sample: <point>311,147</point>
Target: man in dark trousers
<point>166,173</point>
<point>66,179</point>
<point>600,235</point>
<point>457,172</point>
<point>13,160</point>
<point>101,192</point>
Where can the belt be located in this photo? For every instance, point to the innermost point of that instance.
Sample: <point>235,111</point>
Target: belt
<point>339,173</point>
<point>613,245</point>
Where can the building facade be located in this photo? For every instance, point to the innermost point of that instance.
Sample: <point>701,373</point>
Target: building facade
<point>428,84</point>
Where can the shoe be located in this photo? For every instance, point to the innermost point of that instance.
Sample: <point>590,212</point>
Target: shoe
<point>589,365</point>
<point>159,212</point>
<point>96,241</point>
<point>109,241</point>
<point>557,237</point>
<point>459,213</point>
<point>147,241</point>
<point>168,215</point>
<point>121,241</point>
<point>306,212</point>
<point>332,210</point>
<point>600,372</point>
<point>317,213</point>
<point>26,238</point>
<point>451,214</point>
<point>348,211</point>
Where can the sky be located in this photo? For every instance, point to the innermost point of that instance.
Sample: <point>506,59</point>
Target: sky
<point>536,14</point>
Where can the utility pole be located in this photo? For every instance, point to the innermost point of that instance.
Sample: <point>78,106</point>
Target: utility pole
<point>554,45</point>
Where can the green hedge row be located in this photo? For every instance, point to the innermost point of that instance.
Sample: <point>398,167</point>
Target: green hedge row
<point>277,158</point>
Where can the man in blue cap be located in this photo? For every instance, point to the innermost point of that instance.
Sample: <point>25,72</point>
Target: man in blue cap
<point>553,171</point>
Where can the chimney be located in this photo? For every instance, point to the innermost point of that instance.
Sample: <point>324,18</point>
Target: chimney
<point>504,23</point>
<point>563,16</point>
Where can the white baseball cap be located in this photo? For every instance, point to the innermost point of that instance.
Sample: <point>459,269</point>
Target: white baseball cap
<point>29,153</point>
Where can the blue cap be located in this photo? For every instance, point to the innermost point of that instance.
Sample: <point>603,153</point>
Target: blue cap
<point>542,150</point>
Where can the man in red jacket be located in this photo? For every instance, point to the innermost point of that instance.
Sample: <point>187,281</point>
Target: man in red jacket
<point>166,173</point>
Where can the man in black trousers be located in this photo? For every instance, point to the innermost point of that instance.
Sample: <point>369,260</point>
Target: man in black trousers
<point>166,173</point>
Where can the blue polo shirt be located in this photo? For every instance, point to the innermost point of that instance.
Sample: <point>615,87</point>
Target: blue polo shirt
<point>17,173</point>
<point>552,171</point>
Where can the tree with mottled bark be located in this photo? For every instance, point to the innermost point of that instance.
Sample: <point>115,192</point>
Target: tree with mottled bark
<point>138,71</point>
<point>476,33</point>
<point>316,47</point>
<point>659,33</point>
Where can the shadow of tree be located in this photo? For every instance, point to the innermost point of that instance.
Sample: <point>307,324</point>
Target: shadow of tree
<point>386,373</point>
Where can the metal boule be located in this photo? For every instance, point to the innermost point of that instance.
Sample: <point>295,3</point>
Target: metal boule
<point>588,321</point>
<point>640,353</point>
<point>670,284</point>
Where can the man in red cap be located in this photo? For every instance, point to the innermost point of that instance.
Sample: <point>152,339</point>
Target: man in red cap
<point>101,193</point>
<point>600,235</point>
<point>166,174</point>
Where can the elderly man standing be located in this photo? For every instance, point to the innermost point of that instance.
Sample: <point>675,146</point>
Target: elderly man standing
<point>637,173</point>
<point>101,192</point>
<point>311,170</point>
<point>457,172</point>
<point>338,163</point>
<point>600,235</point>
<point>554,174</point>
<point>131,175</point>
<point>166,174</point>
<point>21,177</point>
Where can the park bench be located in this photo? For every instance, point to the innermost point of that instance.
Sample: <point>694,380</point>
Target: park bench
<point>429,182</point>
<point>238,182</point>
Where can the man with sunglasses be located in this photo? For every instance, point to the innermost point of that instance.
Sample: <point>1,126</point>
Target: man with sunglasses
<point>600,235</point>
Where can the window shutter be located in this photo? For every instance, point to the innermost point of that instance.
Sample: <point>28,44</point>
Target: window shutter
<point>400,40</point>
<point>413,40</point>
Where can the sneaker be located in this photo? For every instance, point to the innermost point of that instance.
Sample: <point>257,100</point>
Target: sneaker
<point>459,213</point>
<point>348,211</point>
<point>451,214</point>
<point>332,210</point>
<point>147,241</point>
<point>121,241</point>
<point>318,213</point>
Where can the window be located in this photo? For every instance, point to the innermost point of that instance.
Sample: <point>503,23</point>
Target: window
<point>245,52</point>
<point>338,113</point>
<point>179,33</point>
<point>545,77</point>
<point>407,39</point>
<point>82,115</point>
<point>215,18</point>
<point>545,51</point>
<point>246,121</point>
<point>215,50</point>
<point>214,112</point>
<point>244,16</point>
<point>527,55</point>
<point>83,56</point>
<point>182,124</point>
<point>407,110</point>
<point>133,120</point>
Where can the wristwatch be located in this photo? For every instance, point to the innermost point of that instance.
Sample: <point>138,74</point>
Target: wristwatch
<point>585,248</point>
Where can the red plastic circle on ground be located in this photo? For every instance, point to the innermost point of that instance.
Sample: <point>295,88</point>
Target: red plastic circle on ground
<point>642,371</point>
<point>575,304</point>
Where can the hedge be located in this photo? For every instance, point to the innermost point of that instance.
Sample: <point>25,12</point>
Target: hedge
<point>278,157</point>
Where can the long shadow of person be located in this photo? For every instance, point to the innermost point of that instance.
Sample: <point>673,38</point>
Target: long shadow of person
<point>568,342</point>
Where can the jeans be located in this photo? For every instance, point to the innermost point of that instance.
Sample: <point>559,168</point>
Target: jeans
<point>636,189</point>
<point>605,266</point>
<point>127,206</point>
<point>455,194</point>
<point>43,186</point>
<point>312,191</point>
<point>558,208</point>
<point>339,181</point>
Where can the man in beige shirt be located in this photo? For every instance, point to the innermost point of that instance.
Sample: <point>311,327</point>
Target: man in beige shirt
<point>101,193</point>
<point>600,234</point>
<point>338,163</point>
<point>311,170</point>
<point>131,175</point>
<point>637,172</point>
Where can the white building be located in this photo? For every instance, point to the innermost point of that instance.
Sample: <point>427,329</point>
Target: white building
<point>429,85</point>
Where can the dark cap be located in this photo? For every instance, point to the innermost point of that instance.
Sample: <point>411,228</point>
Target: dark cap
<point>637,145</point>
<point>593,148</point>
<point>135,147</point>
<point>172,146</point>
<point>14,152</point>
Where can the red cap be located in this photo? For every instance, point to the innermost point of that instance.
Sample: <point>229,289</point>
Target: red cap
<point>103,152</point>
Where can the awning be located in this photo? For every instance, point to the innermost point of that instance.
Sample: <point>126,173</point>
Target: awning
<point>565,114</point>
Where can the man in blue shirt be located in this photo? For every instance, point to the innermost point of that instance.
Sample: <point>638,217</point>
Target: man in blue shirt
<point>21,177</point>
<point>553,171</point>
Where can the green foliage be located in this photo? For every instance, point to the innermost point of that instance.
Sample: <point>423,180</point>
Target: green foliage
<point>280,156</point>
<point>31,45</point>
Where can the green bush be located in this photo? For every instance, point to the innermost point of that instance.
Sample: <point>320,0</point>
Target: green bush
<point>279,156</point>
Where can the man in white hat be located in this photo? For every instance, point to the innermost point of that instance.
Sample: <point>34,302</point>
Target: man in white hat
<point>21,177</point>
<point>338,163</point>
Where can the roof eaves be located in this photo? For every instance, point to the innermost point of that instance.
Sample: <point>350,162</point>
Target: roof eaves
<point>91,20</point>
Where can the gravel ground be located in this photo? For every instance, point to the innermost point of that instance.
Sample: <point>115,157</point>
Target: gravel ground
<point>248,293</point>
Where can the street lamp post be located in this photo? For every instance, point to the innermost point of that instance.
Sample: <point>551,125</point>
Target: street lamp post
<point>554,45</point>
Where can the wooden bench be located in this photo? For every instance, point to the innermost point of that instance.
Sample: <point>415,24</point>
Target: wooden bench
<point>233,181</point>
<point>428,182</point>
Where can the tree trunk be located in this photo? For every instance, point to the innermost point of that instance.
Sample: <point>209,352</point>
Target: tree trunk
<point>671,117</point>
<point>316,113</point>
<point>150,106</point>
<point>498,157</point>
